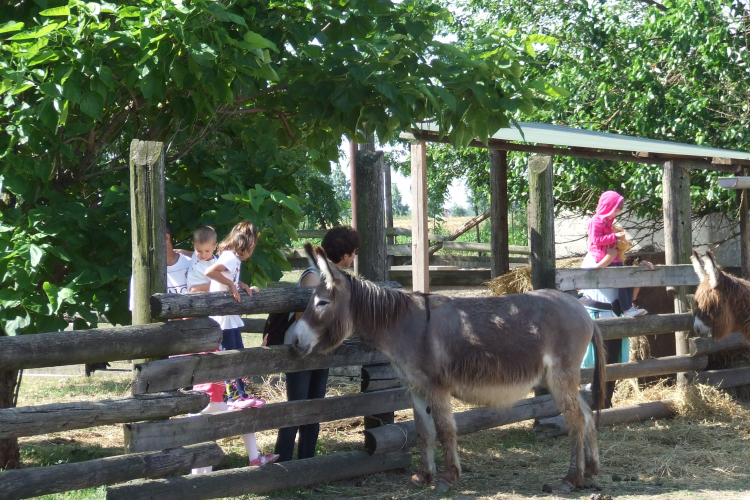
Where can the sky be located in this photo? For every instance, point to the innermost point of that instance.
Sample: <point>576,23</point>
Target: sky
<point>456,191</point>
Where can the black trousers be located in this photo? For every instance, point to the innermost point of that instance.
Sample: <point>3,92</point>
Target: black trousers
<point>614,350</point>
<point>310,384</point>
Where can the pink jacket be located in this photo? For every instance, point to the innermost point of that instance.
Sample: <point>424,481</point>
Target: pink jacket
<point>601,236</point>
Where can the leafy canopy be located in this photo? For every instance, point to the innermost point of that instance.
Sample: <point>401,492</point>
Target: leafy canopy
<point>247,96</point>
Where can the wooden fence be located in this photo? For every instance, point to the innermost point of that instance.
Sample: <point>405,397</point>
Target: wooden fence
<point>157,445</point>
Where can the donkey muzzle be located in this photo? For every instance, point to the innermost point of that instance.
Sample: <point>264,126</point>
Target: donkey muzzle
<point>700,328</point>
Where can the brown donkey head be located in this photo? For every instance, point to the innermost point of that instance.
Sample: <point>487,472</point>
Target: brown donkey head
<point>327,321</point>
<point>712,310</point>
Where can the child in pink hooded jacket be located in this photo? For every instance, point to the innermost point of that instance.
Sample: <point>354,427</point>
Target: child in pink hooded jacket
<point>602,241</point>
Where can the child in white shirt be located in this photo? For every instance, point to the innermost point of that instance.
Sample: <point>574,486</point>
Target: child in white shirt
<point>204,244</point>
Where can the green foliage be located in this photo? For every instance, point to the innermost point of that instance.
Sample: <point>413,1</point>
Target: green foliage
<point>249,98</point>
<point>400,209</point>
<point>675,70</point>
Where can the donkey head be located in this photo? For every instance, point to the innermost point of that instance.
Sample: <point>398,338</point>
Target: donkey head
<point>711,311</point>
<point>327,321</point>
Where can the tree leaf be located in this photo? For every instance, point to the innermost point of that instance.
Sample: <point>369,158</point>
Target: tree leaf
<point>93,105</point>
<point>36,254</point>
<point>56,11</point>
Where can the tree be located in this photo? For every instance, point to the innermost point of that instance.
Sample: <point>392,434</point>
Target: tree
<point>399,208</point>
<point>459,211</point>
<point>247,96</point>
<point>675,70</point>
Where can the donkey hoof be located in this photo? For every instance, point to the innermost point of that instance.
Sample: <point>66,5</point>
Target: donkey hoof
<point>589,483</point>
<point>420,480</point>
<point>566,487</point>
<point>442,486</point>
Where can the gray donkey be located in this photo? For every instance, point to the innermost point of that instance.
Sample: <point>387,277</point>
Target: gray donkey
<point>485,351</point>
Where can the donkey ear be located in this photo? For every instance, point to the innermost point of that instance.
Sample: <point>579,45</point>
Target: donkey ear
<point>310,254</point>
<point>709,264</point>
<point>324,266</point>
<point>696,260</point>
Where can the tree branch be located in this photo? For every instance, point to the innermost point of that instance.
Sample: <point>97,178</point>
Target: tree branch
<point>655,4</point>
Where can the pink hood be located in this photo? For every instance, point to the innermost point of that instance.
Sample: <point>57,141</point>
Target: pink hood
<point>608,203</point>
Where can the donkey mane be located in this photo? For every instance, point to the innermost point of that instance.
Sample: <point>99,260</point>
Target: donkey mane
<point>377,307</point>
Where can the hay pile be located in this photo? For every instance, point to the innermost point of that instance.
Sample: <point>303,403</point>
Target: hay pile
<point>519,279</point>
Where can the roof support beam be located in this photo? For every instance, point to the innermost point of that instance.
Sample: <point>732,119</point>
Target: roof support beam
<point>689,163</point>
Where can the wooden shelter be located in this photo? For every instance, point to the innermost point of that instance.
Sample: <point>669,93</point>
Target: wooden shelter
<point>546,141</point>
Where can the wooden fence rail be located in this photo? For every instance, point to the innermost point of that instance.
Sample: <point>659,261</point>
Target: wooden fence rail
<point>649,368</point>
<point>35,481</point>
<point>618,328</point>
<point>148,436</point>
<point>109,344</point>
<point>34,420</point>
<point>622,277</point>
<point>191,305</point>
<point>185,371</point>
<point>259,480</point>
<point>700,346</point>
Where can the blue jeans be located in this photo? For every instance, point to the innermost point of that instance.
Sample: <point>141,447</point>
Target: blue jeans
<point>309,384</point>
<point>624,295</point>
<point>233,340</point>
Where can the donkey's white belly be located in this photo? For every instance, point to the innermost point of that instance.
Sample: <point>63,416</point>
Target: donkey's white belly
<point>500,396</point>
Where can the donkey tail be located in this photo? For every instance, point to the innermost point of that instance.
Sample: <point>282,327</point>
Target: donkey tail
<point>599,385</point>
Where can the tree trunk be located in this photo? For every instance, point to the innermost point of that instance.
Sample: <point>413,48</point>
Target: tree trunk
<point>10,457</point>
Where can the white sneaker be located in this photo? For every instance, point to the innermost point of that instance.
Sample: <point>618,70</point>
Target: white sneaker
<point>634,311</point>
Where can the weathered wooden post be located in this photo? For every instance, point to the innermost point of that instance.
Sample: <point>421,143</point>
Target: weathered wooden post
<point>148,225</point>
<point>373,254</point>
<point>745,232</point>
<point>677,240</point>
<point>371,216</point>
<point>420,246</point>
<point>541,213</point>
<point>500,259</point>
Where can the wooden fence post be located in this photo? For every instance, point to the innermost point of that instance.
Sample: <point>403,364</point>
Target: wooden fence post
<point>500,258</point>
<point>420,245</point>
<point>387,188</point>
<point>745,233</point>
<point>677,239</point>
<point>148,225</point>
<point>541,213</point>
<point>373,253</point>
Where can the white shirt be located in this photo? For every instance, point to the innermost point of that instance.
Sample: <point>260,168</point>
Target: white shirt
<point>176,278</point>
<point>197,273</point>
<point>229,260</point>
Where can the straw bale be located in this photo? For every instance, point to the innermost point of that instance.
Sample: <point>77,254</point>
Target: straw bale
<point>518,280</point>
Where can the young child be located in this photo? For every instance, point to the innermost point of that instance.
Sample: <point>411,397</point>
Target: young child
<point>603,247</point>
<point>225,276</point>
<point>204,245</point>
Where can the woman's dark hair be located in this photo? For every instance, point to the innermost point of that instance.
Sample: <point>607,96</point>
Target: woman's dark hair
<point>339,241</point>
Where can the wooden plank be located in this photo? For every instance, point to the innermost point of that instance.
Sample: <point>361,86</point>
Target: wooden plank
<point>619,328</point>
<point>185,371</point>
<point>555,426</point>
<point>541,215</point>
<point>270,300</point>
<point>44,419</point>
<point>260,480</point>
<point>372,258</point>
<point>503,145</point>
<point>649,368</point>
<point>461,230</point>
<point>431,268</point>
<point>623,277</point>
<point>420,245</point>
<point>147,225</point>
<point>147,436</point>
<point>400,250</point>
<point>499,208</point>
<point>403,435</point>
<point>35,481</point>
<point>465,246</point>
<point>109,344</point>
<point>700,346</point>
<point>723,379</point>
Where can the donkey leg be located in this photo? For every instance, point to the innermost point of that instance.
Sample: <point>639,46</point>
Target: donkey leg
<point>426,431</point>
<point>590,444</point>
<point>445,425</point>
<point>565,393</point>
